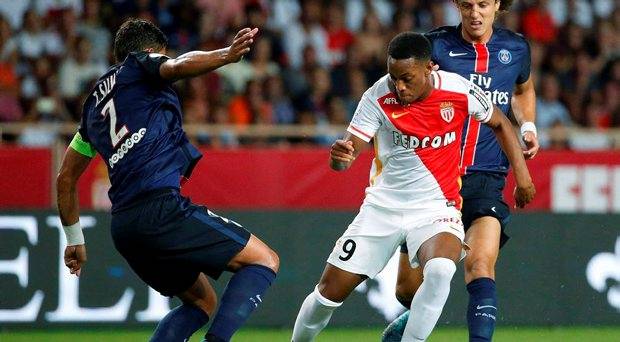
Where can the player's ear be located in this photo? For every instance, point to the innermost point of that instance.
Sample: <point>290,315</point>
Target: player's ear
<point>429,68</point>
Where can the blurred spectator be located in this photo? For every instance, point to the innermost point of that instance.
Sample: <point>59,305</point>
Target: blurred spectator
<point>538,23</point>
<point>98,36</point>
<point>34,42</point>
<point>250,107</point>
<point>13,11</point>
<point>10,109</point>
<point>77,74</point>
<point>357,10</point>
<point>307,32</point>
<point>283,111</point>
<point>549,109</point>
<point>575,11</point>
<point>339,38</point>
<point>311,62</point>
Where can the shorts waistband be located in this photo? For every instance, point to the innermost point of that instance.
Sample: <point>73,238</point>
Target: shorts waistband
<point>146,196</point>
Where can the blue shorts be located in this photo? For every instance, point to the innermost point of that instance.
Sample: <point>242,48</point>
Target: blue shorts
<point>168,241</point>
<point>482,196</point>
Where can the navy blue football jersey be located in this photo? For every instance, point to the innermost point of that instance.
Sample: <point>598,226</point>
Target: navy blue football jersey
<point>495,67</point>
<point>133,119</point>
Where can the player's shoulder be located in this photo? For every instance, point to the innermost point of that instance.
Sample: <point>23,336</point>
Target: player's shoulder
<point>442,33</point>
<point>378,90</point>
<point>510,38</point>
<point>450,81</point>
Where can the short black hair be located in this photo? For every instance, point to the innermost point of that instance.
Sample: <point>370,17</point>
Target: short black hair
<point>137,35</point>
<point>410,45</point>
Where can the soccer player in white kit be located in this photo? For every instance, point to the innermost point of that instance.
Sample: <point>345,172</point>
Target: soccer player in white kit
<point>415,116</point>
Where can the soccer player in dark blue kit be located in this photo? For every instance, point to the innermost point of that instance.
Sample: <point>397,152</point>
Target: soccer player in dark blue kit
<point>133,118</point>
<point>498,61</point>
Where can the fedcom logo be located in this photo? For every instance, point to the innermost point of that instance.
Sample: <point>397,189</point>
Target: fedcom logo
<point>126,146</point>
<point>413,142</point>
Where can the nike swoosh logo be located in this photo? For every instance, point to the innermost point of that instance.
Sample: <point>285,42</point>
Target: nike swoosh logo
<point>493,208</point>
<point>478,307</point>
<point>452,54</point>
<point>398,115</point>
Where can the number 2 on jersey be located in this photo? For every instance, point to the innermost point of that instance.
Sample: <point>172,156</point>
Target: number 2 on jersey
<point>114,135</point>
<point>348,247</point>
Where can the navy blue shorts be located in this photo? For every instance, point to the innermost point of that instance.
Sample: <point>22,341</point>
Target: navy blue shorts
<point>168,241</point>
<point>482,196</point>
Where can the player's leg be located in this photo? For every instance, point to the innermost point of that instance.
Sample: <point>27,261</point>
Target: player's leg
<point>316,310</point>
<point>437,257</point>
<point>483,236</point>
<point>199,302</point>
<point>361,252</point>
<point>408,281</point>
<point>255,268</point>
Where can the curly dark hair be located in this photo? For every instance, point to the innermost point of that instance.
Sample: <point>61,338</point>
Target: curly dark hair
<point>137,35</point>
<point>504,5</point>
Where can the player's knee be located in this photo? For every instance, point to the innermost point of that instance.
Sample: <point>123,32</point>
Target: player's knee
<point>207,304</point>
<point>438,271</point>
<point>479,267</point>
<point>270,259</point>
<point>403,297</point>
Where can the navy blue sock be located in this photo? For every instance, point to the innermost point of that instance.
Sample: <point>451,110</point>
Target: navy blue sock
<point>180,323</point>
<point>482,309</point>
<point>242,295</point>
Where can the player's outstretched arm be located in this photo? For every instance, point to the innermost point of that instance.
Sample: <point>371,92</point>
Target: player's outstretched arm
<point>525,191</point>
<point>344,151</point>
<point>73,165</point>
<point>195,63</point>
<point>524,109</point>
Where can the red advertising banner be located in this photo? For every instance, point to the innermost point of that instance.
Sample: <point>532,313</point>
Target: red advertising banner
<point>259,179</point>
<point>570,182</point>
<point>25,177</point>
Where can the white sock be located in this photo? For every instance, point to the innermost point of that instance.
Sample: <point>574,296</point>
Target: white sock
<point>430,298</point>
<point>313,316</point>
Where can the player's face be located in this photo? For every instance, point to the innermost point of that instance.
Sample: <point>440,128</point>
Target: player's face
<point>477,17</point>
<point>410,78</point>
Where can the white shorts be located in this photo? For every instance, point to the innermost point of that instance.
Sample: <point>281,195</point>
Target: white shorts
<point>376,232</point>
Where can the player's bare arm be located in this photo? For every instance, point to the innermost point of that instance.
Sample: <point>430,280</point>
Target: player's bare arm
<point>73,165</point>
<point>524,108</point>
<point>195,63</point>
<point>524,191</point>
<point>344,151</point>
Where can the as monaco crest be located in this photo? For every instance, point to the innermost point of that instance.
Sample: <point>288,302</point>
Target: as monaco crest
<point>447,111</point>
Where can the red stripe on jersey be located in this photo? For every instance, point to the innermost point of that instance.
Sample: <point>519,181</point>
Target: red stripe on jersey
<point>471,140</point>
<point>360,132</point>
<point>482,58</point>
<point>431,136</point>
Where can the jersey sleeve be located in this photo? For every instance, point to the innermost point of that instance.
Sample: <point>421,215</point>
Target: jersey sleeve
<point>150,63</point>
<point>82,146</point>
<point>524,73</point>
<point>479,105</point>
<point>366,120</point>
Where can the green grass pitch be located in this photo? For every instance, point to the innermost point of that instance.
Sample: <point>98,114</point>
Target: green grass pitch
<point>504,334</point>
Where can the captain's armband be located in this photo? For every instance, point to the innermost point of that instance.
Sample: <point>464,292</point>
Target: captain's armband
<point>81,146</point>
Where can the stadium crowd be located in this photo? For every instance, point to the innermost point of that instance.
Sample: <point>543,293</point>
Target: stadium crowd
<point>310,65</point>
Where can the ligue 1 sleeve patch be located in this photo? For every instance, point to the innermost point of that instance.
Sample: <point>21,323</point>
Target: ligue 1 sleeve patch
<point>481,97</point>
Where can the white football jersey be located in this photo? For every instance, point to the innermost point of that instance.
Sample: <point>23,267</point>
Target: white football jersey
<point>417,146</point>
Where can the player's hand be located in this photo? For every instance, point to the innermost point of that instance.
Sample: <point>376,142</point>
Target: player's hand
<point>524,194</point>
<point>241,44</point>
<point>341,154</point>
<point>75,257</point>
<point>531,145</point>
